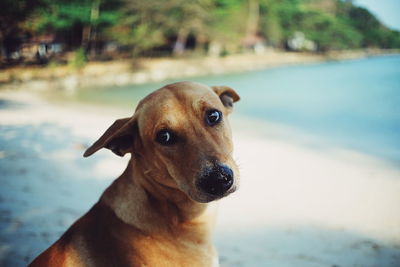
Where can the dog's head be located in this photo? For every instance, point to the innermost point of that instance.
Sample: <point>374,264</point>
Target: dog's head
<point>180,137</point>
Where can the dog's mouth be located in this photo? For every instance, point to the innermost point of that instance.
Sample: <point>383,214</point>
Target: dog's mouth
<point>206,197</point>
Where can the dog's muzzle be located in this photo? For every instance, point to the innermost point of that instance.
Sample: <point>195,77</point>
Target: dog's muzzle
<point>216,181</point>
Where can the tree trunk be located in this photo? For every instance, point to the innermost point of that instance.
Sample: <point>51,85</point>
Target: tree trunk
<point>2,47</point>
<point>200,43</point>
<point>86,29</point>
<point>180,44</point>
<point>89,32</point>
<point>94,16</point>
<point>252,20</point>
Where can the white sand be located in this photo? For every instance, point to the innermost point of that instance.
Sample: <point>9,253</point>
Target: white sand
<point>297,206</point>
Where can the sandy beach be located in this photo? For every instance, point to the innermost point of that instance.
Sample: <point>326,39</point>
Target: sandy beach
<point>298,205</point>
<point>145,70</point>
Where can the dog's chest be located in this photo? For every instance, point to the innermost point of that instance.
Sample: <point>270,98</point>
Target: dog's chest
<point>161,252</point>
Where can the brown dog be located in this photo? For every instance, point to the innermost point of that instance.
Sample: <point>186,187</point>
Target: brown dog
<point>156,212</point>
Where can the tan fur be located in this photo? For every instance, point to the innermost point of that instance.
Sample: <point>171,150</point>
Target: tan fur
<point>154,214</point>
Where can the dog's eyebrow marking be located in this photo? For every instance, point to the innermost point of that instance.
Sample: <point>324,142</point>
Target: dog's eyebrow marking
<point>203,104</point>
<point>171,112</point>
<point>198,105</point>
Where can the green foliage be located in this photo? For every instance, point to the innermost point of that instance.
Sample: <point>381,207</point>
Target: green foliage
<point>78,60</point>
<point>328,32</point>
<point>63,14</point>
<point>331,24</point>
<point>225,27</point>
<point>271,25</point>
<point>144,26</point>
<point>374,34</point>
<point>279,20</point>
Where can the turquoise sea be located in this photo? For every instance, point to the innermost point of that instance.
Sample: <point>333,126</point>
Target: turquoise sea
<point>347,104</point>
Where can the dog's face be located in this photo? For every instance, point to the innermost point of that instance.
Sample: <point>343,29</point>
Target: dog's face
<point>181,138</point>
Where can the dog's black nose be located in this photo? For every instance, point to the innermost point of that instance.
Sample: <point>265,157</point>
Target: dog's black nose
<point>216,181</point>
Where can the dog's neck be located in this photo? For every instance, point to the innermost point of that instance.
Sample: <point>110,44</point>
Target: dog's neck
<point>147,204</point>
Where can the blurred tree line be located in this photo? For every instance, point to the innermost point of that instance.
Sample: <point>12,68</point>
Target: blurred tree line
<point>113,28</point>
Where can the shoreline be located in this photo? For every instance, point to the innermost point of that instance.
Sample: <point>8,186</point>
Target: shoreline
<point>120,73</point>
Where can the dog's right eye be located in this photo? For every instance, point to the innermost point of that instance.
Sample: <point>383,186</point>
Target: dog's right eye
<point>166,137</point>
<point>213,117</point>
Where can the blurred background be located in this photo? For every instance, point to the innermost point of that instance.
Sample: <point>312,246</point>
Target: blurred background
<point>57,31</point>
<point>316,133</point>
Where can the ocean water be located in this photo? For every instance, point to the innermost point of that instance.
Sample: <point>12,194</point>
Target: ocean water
<point>350,104</point>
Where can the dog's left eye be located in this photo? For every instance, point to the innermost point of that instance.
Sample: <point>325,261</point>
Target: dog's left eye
<point>165,137</point>
<point>213,117</point>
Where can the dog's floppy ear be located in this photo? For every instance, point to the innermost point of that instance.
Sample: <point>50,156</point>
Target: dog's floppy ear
<point>227,95</point>
<point>118,138</point>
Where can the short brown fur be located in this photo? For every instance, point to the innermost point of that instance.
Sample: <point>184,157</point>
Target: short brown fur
<point>154,214</point>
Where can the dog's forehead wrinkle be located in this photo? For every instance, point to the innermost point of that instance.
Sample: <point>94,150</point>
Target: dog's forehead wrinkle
<point>190,91</point>
<point>166,114</point>
<point>182,96</point>
<point>205,103</point>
